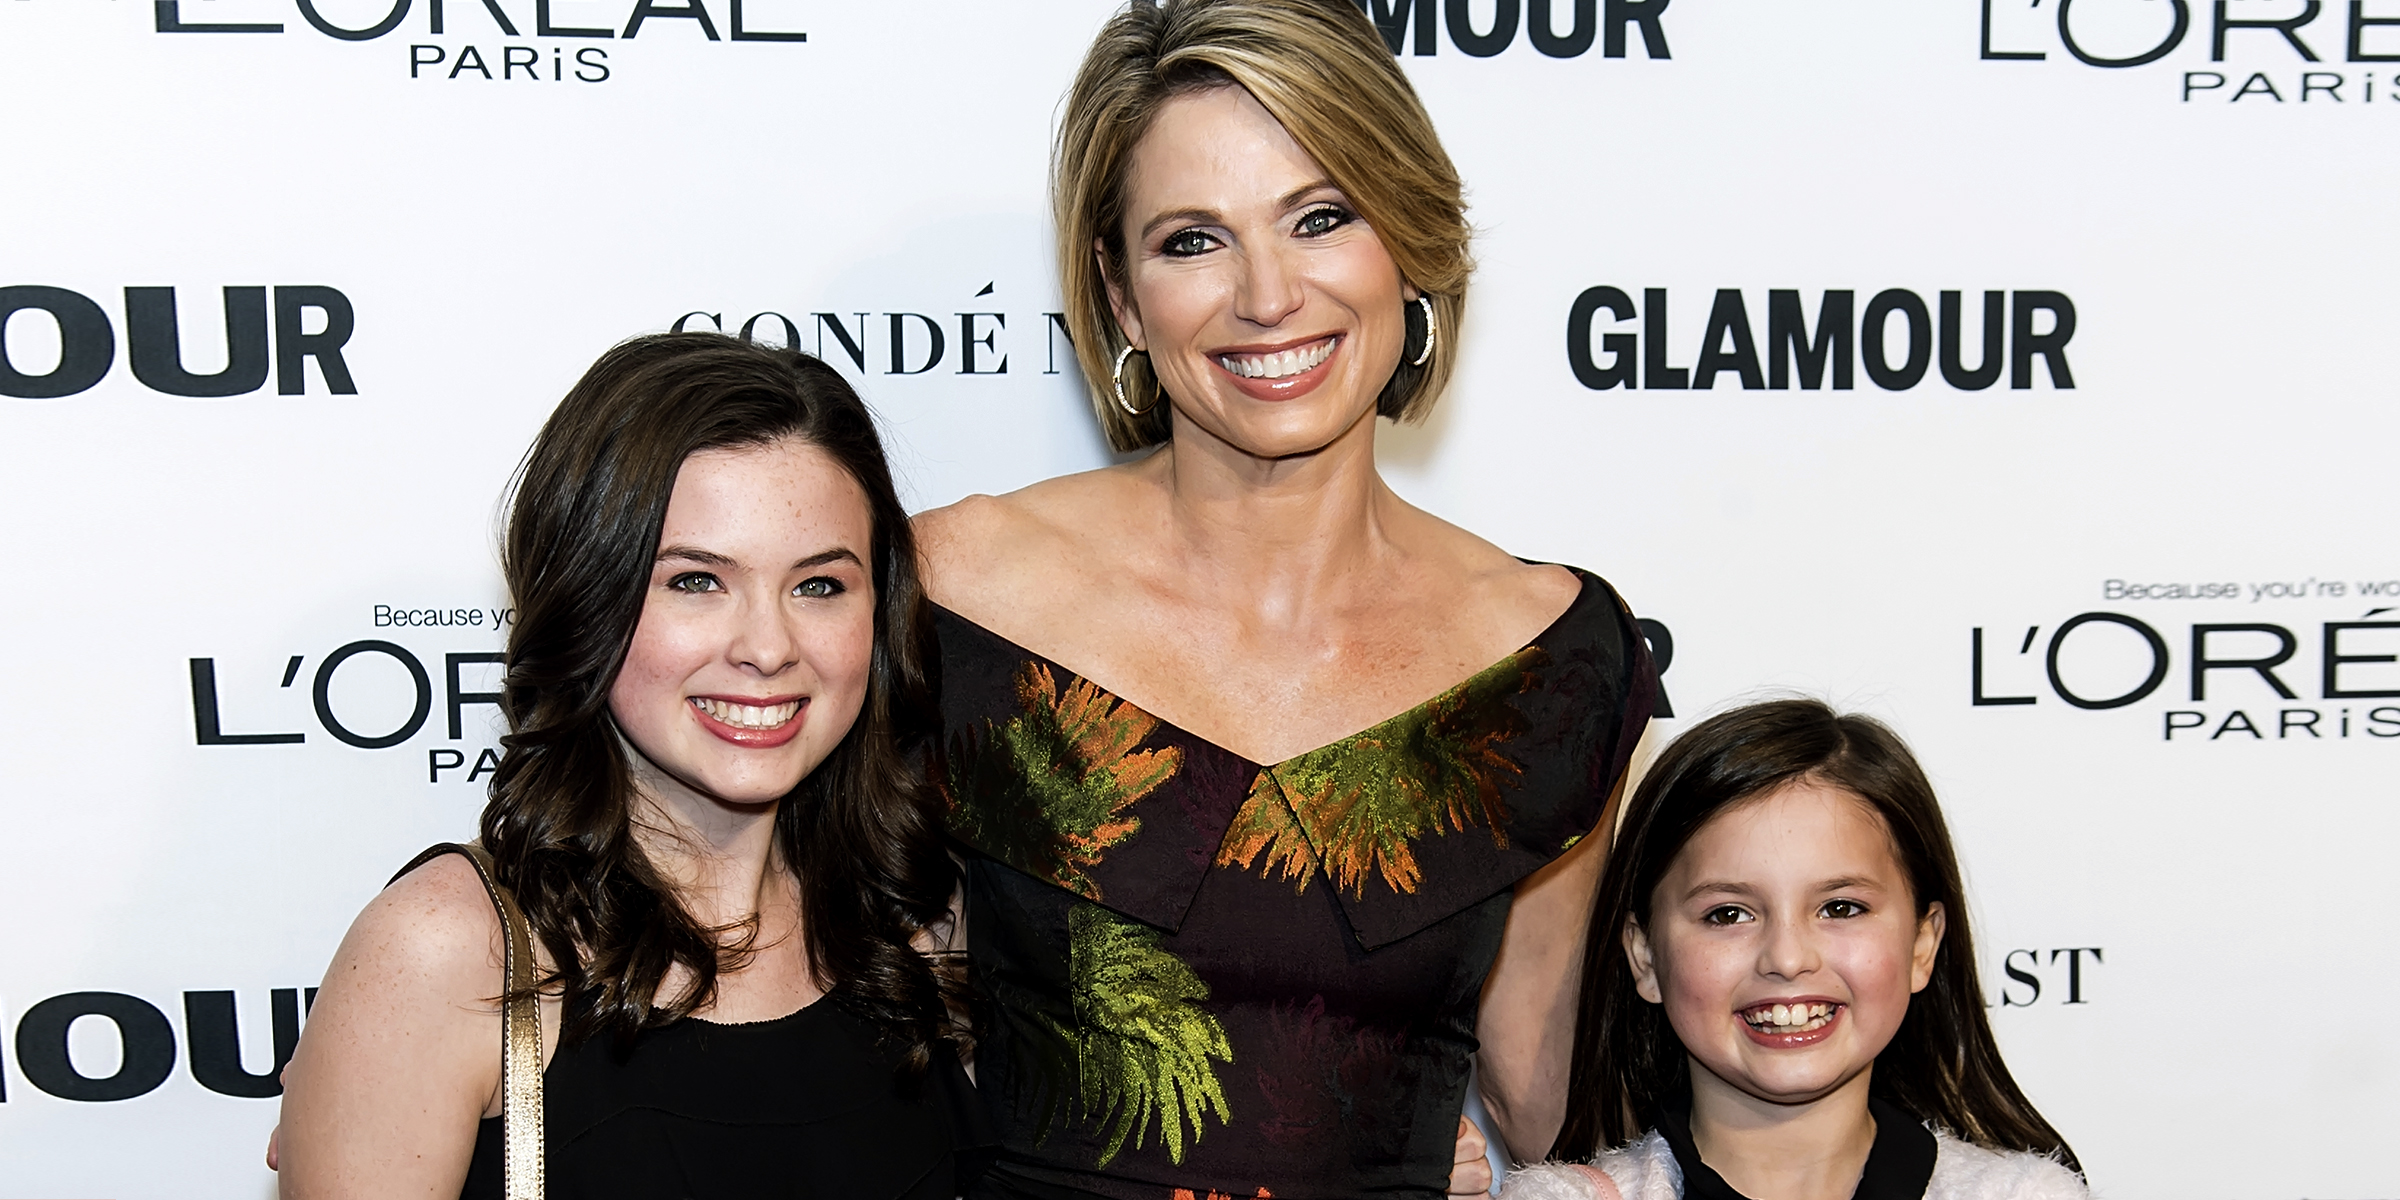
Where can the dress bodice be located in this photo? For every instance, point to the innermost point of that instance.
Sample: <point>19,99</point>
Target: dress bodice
<point>807,1105</point>
<point>1205,975</point>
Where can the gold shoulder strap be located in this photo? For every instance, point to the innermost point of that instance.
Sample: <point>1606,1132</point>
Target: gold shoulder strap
<point>520,1031</point>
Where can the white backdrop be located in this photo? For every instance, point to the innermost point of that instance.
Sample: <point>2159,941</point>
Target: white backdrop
<point>2184,898</point>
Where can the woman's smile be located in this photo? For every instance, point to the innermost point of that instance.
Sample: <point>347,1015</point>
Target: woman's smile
<point>1280,372</point>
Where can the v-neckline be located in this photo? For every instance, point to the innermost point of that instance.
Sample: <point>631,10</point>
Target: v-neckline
<point>1583,594</point>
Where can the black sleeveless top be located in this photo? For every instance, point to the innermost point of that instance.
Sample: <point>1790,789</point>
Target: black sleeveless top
<point>807,1105</point>
<point>1206,976</point>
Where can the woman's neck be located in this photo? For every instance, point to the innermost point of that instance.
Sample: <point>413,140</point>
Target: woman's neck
<point>1283,529</point>
<point>720,858</point>
<point>1812,1151</point>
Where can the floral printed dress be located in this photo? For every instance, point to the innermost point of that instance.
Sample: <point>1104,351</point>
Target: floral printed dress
<point>1204,976</point>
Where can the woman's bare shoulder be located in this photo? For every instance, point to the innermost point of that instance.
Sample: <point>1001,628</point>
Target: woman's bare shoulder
<point>1517,593</point>
<point>434,926</point>
<point>989,545</point>
<point>401,1055</point>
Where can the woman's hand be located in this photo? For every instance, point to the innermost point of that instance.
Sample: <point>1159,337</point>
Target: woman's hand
<point>1470,1171</point>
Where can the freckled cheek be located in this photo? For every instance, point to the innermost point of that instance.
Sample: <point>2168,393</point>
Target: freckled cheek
<point>842,656</point>
<point>656,663</point>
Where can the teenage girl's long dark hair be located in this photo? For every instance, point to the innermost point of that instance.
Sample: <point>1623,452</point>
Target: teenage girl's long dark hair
<point>859,832</point>
<point>1942,1066</point>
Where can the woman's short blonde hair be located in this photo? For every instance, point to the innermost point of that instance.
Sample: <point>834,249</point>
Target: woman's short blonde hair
<point>1323,71</point>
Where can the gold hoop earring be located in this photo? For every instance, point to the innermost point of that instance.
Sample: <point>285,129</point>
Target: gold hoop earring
<point>1117,377</point>
<point>1432,331</point>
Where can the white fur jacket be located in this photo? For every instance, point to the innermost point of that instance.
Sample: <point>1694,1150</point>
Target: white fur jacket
<point>1646,1170</point>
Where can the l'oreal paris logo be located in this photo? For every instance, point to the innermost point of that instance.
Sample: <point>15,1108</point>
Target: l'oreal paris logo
<point>357,21</point>
<point>494,41</point>
<point>2258,52</point>
<point>2212,681</point>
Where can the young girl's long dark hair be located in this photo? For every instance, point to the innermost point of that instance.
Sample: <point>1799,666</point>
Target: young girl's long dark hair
<point>859,832</point>
<point>1942,1066</point>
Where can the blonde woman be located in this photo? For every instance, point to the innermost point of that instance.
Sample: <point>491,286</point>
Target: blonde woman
<point>1274,785</point>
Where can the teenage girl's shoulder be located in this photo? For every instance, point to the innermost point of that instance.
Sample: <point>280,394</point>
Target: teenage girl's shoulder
<point>403,1038</point>
<point>430,936</point>
<point>1963,1170</point>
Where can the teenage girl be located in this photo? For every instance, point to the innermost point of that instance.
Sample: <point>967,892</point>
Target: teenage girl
<point>1782,1003</point>
<point>723,867</point>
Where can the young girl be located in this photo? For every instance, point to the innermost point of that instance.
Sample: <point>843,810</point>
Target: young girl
<point>1782,1001</point>
<point>706,855</point>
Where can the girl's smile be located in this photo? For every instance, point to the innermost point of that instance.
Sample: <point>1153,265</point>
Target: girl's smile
<point>1791,1024</point>
<point>763,724</point>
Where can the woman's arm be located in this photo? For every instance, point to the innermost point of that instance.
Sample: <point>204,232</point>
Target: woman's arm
<point>401,1055</point>
<point>1527,1019</point>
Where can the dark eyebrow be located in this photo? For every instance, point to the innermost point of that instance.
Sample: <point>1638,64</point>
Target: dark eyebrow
<point>1203,216</point>
<point>1847,882</point>
<point>822,557</point>
<point>711,558</point>
<point>695,554</point>
<point>1714,885</point>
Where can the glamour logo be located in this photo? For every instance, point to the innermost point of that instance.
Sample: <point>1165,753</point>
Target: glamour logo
<point>2106,660</point>
<point>146,1044</point>
<point>1661,641</point>
<point>1609,22</point>
<point>40,317</point>
<point>2016,328</point>
<point>2278,44</point>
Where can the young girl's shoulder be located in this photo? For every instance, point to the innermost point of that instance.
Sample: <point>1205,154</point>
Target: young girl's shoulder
<point>1646,1170</point>
<point>1643,1169</point>
<point>1963,1170</point>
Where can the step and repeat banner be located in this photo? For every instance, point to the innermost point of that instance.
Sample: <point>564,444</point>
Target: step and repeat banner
<point>2019,371</point>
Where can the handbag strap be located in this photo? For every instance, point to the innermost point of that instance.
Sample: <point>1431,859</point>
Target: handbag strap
<point>520,1030</point>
